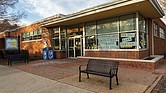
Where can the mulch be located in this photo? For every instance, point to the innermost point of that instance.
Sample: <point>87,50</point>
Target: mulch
<point>161,86</point>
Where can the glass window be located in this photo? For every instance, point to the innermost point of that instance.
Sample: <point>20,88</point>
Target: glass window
<point>63,40</point>
<point>55,38</point>
<point>127,22</point>
<point>91,37</point>
<point>56,43</point>
<point>90,28</point>
<point>117,33</point>
<point>142,32</point>
<point>107,26</point>
<point>141,23</point>
<point>155,29</point>
<point>71,32</point>
<point>108,41</point>
<point>91,42</point>
<point>162,33</point>
<point>128,40</point>
<point>32,35</point>
<point>35,32</point>
<point>142,40</point>
<point>25,36</point>
<point>55,32</point>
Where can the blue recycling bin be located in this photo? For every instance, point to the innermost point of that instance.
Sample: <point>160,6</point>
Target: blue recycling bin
<point>45,53</point>
<point>48,53</point>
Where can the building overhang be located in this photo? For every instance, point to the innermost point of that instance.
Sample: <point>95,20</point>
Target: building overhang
<point>148,8</point>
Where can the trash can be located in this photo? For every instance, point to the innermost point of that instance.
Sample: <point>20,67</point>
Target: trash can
<point>45,53</point>
<point>50,54</point>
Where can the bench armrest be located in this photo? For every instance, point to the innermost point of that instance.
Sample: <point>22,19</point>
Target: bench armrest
<point>81,67</point>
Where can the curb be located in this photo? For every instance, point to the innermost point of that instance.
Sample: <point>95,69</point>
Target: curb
<point>149,90</point>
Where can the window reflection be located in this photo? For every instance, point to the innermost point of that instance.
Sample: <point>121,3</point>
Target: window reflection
<point>107,26</point>
<point>91,42</point>
<point>32,35</point>
<point>127,22</point>
<point>55,38</point>
<point>142,32</point>
<point>116,33</point>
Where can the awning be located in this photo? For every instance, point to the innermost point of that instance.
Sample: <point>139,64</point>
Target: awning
<point>148,8</point>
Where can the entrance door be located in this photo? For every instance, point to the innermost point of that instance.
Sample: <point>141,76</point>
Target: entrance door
<point>75,47</point>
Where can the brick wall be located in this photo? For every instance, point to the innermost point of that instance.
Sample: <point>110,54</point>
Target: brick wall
<point>34,47</point>
<point>150,32</point>
<point>118,54</point>
<point>60,54</point>
<point>159,43</point>
<point>2,43</point>
<point>134,64</point>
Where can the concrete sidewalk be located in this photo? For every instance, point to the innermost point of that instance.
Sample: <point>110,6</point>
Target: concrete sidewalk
<point>61,76</point>
<point>16,81</point>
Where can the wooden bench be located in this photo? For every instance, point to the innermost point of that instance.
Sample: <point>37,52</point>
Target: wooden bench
<point>18,57</point>
<point>106,68</point>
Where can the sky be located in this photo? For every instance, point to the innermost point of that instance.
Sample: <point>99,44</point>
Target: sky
<point>40,9</point>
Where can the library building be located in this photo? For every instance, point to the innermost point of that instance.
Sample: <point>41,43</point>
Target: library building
<point>129,31</point>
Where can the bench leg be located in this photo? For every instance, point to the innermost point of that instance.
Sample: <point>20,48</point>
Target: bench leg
<point>88,76</point>
<point>79,76</point>
<point>117,80</point>
<point>27,61</point>
<point>110,83</point>
<point>9,63</point>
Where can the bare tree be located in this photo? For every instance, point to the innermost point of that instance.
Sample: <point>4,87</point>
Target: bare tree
<point>7,15</point>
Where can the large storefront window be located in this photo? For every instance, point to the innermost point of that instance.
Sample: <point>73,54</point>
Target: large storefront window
<point>108,41</point>
<point>74,30</point>
<point>116,33</point>
<point>59,38</point>
<point>91,36</point>
<point>63,39</point>
<point>91,42</point>
<point>55,38</point>
<point>128,32</point>
<point>90,28</point>
<point>107,33</point>
<point>128,40</point>
<point>107,26</point>
<point>127,22</point>
<point>142,32</point>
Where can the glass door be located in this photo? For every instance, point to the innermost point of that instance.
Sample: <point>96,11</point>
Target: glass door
<point>78,46</point>
<point>71,47</point>
<point>74,47</point>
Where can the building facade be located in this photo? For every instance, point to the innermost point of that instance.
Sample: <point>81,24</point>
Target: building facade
<point>128,29</point>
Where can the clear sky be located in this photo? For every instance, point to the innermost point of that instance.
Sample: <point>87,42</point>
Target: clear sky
<point>39,9</point>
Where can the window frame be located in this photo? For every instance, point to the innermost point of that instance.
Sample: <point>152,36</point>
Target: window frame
<point>136,31</point>
<point>155,29</point>
<point>28,37</point>
<point>162,33</point>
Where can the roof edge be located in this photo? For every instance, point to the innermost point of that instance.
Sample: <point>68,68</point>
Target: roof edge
<point>157,7</point>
